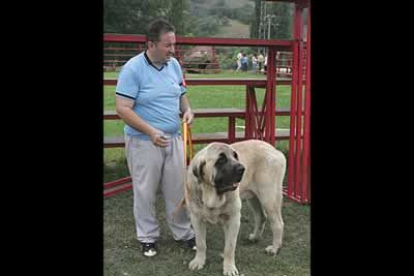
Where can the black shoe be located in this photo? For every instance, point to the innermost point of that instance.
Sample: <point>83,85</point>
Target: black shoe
<point>191,244</point>
<point>148,249</point>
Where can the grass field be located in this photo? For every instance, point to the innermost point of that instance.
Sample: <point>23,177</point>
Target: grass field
<point>122,254</point>
<point>121,249</point>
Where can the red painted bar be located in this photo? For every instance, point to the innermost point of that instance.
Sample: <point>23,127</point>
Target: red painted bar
<point>306,135</point>
<point>298,180</point>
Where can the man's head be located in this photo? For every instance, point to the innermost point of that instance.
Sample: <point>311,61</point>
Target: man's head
<point>161,40</point>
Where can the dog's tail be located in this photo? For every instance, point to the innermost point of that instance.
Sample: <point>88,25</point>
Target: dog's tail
<point>179,208</point>
<point>182,203</point>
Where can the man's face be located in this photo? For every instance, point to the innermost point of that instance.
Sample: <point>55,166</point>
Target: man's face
<point>163,50</point>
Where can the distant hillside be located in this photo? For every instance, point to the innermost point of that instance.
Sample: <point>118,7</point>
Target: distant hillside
<point>236,29</point>
<point>234,4</point>
<point>231,17</point>
<point>239,3</point>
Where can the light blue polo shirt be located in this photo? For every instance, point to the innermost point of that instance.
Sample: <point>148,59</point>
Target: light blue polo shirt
<point>156,91</point>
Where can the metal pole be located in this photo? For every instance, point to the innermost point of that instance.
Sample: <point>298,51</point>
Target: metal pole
<point>271,71</point>
<point>306,145</point>
<point>269,19</point>
<point>299,107</point>
<point>269,96</point>
<point>293,113</point>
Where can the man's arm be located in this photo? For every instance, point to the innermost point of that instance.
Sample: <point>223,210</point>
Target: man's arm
<point>127,114</point>
<point>188,115</point>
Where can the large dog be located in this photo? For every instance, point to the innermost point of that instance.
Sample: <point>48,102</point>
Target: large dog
<point>219,176</point>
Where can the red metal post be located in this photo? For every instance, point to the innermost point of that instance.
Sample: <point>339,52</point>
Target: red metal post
<point>254,127</point>
<point>271,71</point>
<point>232,129</point>
<point>306,138</point>
<point>248,115</point>
<point>292,136</point>
<point>255,124</point>
<point>262,120</point>
<point>270,103</point>
<point>299,108</point>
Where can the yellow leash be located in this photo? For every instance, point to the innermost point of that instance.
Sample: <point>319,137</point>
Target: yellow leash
<point>187,140</point>
<point>188,147</point>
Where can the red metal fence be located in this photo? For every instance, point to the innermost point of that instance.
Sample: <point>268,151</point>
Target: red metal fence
<point>260,123</point>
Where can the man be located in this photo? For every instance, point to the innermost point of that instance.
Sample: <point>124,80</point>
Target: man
<point>244,62</point>
<point>149,97</point>
<point>260,60</point>
<point>254,63</point>
<point>238,59</point>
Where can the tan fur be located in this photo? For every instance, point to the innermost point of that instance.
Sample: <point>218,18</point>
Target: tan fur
<point>261,186</point>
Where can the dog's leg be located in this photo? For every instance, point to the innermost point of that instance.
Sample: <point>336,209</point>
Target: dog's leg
<point>231,231</point>
<point>259,218</point>
<point>200,233</point>
<point>273,207</point>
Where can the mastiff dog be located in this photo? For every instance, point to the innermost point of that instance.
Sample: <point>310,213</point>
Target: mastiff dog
<point>218,178</point>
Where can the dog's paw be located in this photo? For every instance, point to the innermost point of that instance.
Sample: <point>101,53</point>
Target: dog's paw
<point>272,250</point>
<point>230,270</point>
<point>197,264</point>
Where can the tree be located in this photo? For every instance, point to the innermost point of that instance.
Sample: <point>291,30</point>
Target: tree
<point>133,16</point>
<point>255,20</point>
<point>283,23</point>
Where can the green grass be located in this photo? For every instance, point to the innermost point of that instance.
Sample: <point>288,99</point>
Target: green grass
<point>122,254</point>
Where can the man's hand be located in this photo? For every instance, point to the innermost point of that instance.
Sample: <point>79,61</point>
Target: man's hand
<point>188,117</point>
<point>158,140</point>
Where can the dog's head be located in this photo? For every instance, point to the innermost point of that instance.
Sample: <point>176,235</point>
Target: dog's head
<point>218,165</point>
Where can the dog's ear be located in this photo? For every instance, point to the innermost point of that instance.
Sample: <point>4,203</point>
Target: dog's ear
<point>235,155</point>
<point>198,171</point>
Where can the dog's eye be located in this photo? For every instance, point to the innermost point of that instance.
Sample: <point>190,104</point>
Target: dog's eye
<point>222,158</point>
<point>235,155</point>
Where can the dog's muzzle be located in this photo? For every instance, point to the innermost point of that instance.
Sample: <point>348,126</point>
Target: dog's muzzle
<point>238,172</point>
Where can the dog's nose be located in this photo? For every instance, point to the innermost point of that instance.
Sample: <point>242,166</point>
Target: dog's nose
<point>240,169</point>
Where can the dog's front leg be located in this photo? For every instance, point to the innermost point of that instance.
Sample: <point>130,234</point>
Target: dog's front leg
<point>200,233</point>
<point>231,231</point>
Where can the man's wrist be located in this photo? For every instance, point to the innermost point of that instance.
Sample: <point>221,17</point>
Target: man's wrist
<point>188,109</point>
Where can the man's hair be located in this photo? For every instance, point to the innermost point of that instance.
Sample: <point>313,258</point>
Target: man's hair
<point>158,27</point>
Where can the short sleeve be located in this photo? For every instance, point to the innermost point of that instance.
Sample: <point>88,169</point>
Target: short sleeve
<point>181,79</point>
<point>128,83</point>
